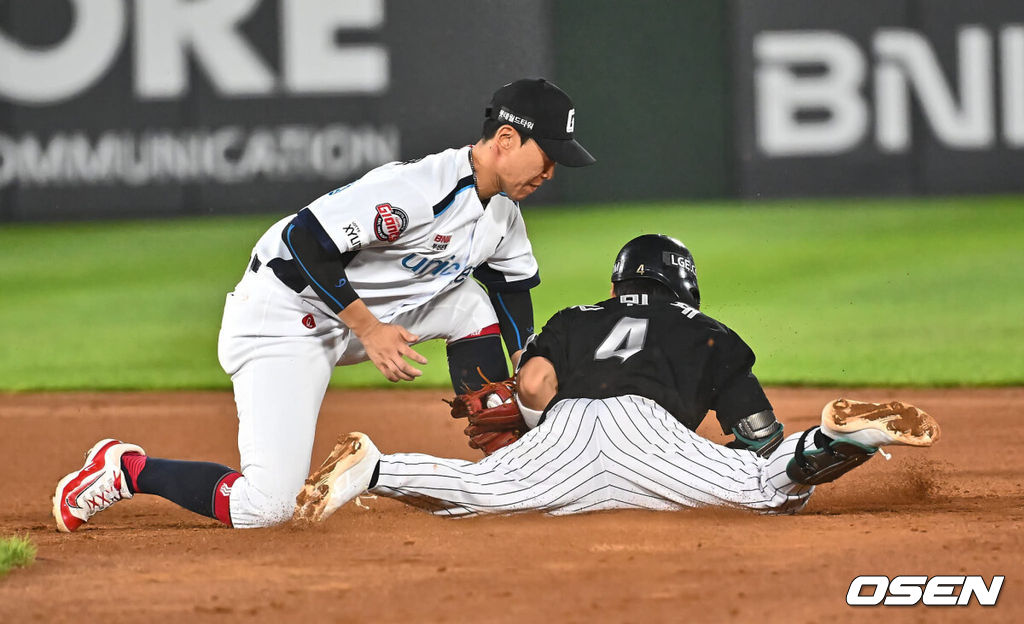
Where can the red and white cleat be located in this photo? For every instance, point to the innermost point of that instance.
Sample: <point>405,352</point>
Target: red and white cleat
<point>97,485</point>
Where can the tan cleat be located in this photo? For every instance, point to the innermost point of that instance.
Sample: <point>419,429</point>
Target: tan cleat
<point>878,424</point>
<point>344,475</point>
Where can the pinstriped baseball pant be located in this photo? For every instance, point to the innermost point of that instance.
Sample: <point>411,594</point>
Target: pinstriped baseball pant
<point>588,455</point>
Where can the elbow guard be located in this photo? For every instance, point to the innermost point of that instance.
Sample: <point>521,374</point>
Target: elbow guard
<point>759,433</point>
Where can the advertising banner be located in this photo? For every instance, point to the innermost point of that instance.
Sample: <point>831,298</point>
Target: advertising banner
<point>878,97</point>
<point>157,107</point>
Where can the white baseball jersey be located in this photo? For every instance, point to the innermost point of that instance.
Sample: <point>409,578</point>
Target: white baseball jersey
<point>412,234</point>
<point>418,229</point>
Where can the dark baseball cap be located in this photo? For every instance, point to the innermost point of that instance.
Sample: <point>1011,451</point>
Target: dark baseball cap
<point>540,110</point>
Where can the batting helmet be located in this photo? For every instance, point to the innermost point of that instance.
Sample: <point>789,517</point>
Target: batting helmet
<point>661,258</point>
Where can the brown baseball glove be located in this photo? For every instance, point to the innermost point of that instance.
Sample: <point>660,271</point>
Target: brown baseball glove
<point>494,418</point>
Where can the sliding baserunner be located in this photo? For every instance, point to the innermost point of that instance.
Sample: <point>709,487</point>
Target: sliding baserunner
<point>614,392</point>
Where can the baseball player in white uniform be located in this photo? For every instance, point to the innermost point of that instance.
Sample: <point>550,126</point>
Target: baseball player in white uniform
<point>614,392</point>
<point>360,274</point>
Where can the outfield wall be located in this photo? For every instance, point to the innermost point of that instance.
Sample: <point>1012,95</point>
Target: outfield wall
<point>115,107</point>
<point>162,107</point>
<point>886,97</point>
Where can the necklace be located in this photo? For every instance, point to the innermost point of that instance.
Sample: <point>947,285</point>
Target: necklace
<point>476,185</point>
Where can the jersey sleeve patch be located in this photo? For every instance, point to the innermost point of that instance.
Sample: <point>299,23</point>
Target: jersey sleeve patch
<point>354,235</point>
<point>390,222</point>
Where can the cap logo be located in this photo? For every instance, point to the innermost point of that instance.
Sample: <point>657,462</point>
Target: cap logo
<point>514,119</point>
<point>570,123</point>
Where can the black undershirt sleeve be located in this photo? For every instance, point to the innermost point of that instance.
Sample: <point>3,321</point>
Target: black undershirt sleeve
<point>512,303</point>
<point>515,316</point>
<point>319,260</point>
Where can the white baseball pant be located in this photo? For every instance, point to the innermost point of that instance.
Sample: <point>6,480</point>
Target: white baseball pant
<point>619,453</point>
<point>280,368</point>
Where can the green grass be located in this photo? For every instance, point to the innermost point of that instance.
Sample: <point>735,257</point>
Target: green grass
<point>852,292</point>
<point>16,552</point>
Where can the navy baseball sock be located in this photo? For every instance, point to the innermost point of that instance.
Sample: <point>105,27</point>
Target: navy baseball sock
<point>200,487</point>
<point>473,358</point>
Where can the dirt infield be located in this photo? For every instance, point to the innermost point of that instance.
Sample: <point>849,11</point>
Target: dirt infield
<point>955,509</point>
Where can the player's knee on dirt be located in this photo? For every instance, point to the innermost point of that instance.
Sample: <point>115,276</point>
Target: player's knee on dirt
<point>275,510</point>
<point>255,504</point>
<point>760,433</point>
<point>829,461</point>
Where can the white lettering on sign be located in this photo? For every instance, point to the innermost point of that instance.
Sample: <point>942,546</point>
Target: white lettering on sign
<point>32,76</point>
<point>1011,43</point>
<point>314,63</point>
<point>961,115</point>
<point>906,59</point>
<point>780,93</point>
<point>168,33</point>
<point>228,155</point>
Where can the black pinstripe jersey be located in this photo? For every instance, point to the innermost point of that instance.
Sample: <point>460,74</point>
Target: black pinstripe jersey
<point>671,353</point>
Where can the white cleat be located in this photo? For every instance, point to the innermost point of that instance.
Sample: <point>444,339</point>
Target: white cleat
<point>95,486</point>
<point>344,475</point>
<point>878,424</point>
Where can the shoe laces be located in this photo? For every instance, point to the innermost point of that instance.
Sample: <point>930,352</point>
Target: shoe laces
<point>102,494</point>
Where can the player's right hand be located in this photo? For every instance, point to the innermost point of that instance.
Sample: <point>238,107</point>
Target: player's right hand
<point>387,346</point>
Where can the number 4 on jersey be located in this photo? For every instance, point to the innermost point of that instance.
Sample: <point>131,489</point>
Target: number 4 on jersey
<point>624,341</point>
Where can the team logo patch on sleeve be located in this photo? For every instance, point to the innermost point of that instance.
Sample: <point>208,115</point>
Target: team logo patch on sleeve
<point>390,222</point>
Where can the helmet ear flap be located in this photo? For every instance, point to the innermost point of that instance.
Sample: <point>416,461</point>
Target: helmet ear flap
<point>694,297</point>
